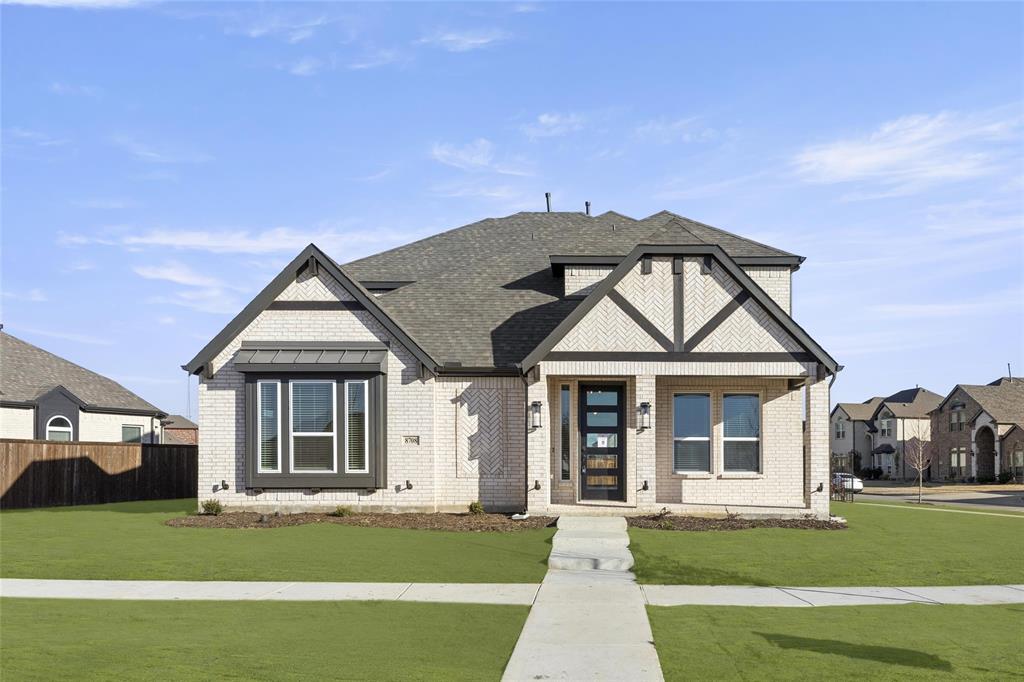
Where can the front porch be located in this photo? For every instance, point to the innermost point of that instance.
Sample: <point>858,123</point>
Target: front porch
<point>606,442</point>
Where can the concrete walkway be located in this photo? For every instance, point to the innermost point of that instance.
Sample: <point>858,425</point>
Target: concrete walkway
<point>465,593</point>
<point>589,621</point>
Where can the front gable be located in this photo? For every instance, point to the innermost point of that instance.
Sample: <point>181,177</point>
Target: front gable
<point>695,306</point>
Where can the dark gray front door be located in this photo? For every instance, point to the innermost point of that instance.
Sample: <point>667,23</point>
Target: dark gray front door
<point>602,442</point>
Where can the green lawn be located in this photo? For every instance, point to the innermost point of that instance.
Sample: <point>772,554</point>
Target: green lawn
<point>905,642</point>
<point>129,541</point>
<point>882,546</point>
<point>69,639</point>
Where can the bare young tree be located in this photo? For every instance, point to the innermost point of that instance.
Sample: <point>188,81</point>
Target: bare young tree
<point>917,455</point>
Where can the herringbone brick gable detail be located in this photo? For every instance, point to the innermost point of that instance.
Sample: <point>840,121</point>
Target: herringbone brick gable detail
<point>651,294</point>
<point>308,287</point>
<point>607,328</point>
<point>480,440</point>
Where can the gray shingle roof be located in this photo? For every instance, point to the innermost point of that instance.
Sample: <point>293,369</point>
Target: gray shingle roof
<point>27,372</point>
<point>177,421</point>
<point>483,295</point>
<point>913,403</point>
<point>861,411</point>
<point>1003,399</point>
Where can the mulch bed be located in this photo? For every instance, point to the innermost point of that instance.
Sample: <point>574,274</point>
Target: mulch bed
<point>460,523</point>
<point>698,523</point>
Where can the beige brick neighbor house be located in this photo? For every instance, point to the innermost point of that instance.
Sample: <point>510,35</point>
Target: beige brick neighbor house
<point>550,362</point>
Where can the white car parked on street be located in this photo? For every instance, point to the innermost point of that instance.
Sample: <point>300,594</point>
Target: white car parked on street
<point>848,482</point>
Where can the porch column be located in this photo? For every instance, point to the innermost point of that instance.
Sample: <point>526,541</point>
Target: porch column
<point>816,443</point>
<point>974,454</point>
<point>538,458</point>
<point>646,456</point>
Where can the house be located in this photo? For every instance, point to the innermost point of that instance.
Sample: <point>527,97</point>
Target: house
<point>978,431</point>
<point>551,362</point>
<point>45,397</point>
<point>851,425</point>
<point>179,430</point>
<point>900,417</point>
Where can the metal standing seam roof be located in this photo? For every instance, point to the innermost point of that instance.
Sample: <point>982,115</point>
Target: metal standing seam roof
<point>483,295</point>
<point>27,372</point>
<point>309,356</point>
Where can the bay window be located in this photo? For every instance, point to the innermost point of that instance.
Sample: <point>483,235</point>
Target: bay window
<point>313,408</point>
<point>356,455</point>
<point>268,426</point>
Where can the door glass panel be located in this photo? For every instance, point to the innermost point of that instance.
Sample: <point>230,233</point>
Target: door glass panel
<point>603,482</point>
<point>602,440</point>
<point>609,419</point>
<point>602,398</point>
<point>602,461</point>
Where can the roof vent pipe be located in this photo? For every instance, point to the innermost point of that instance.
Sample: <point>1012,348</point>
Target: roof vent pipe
<point>588,207</point>
<point>547,198</point>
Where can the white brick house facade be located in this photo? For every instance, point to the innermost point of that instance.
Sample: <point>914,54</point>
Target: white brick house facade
<point>668,321</point>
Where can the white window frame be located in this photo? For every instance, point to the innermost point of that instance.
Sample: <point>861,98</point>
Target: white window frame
<point>885,428</point>
<point>293,434</point>
<point>259,427</point>
<point>748,439</point>
<point>142,432</point>
<point>840,429</point>
<point>711,428</point>
<point>69,429</point>
<point>366,427</point>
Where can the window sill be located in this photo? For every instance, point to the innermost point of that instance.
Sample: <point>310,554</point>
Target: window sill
<point>740,475</point>
<point>693,475</point>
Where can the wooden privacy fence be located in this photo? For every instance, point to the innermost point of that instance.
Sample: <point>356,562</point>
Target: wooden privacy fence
<point>41,473</point>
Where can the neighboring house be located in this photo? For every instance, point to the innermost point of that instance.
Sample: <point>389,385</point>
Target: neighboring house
<point>541,361</point>
<point>897,419</point>
<point>179,430</point>
<point>851,433</point>
<point>45,397</point>
<point>977,431</point>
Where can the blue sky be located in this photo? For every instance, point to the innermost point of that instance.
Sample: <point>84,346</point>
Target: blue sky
<point>163,161</point>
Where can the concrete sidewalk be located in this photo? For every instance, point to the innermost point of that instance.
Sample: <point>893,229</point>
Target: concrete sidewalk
<point>465,593</point>
<point>725,595</point>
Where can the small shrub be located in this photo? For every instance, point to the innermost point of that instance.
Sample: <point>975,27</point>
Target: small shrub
<point>342,510</point>
<point>1005,477</point>
<point>666,524</point>
<point>986,479</point>
<point>212,507</point>
<point>476,507</point>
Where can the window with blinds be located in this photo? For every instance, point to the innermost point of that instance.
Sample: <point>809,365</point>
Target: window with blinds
<point>312,413</point>
<point>356,442</point>
<point>268,426</point>
<point>741,437</point>
<point>691,432</point>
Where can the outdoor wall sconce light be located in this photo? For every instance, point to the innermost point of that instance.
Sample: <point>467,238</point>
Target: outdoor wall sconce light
<point>314,491</point>
<point>408,485</point>
<point>536,485</point>
<point>535,414</point>
<point>646,487</point>
<point>224,485</point>
<point>257,491</point>
<point>645,416</point>
<point>821,487</point>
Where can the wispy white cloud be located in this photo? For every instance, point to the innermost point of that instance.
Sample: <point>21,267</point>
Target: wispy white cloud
<point>276,240</point>
<point>377,58</point>
<point>477,190</point>
<point>477,155</point>
<point>1010,301</point>
<point>166,320</point>
<point>379,175</point>
<point>669,131</point>
<point>914,153</point>
<point>112,204</point>
<point>177,272</point>
<point>61,88</point>
<point>554,125</point>
<point>65,335</point>
<point>690,187</point>
<point>159,153</point>
<point>307,66</point>
<point>527,8</point>
<point>290,28</point>
<point>32,295</point>
<point>78,4</point>
<point>33,137</point>
<point>463,41</point>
